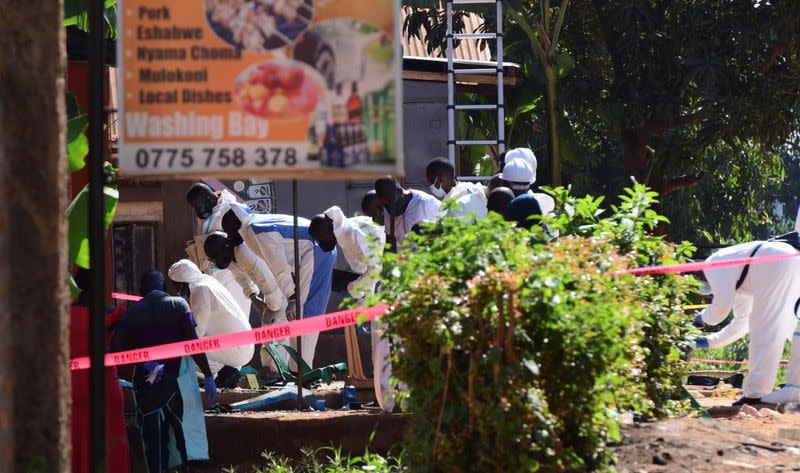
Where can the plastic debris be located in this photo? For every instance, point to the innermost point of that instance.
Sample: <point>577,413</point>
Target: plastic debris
<point>724,390</point>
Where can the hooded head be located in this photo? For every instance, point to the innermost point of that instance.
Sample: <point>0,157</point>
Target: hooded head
<point>185,271</point>
<point>518,174</point>
<point>151,281</point>
<point>521,209</point>
<point>525,154</point>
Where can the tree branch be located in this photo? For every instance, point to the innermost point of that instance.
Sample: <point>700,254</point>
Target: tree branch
<point>562,12</point>
<point>522,22</point>
<point>656,127</point>
<point>682,182</point>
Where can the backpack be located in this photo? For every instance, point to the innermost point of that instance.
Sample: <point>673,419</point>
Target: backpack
<point>791,238</point>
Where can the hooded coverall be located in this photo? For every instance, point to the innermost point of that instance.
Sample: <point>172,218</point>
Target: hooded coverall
<point>272,238</point>
<point>765,302</point>
<point>362,242</point>
<point>213,224</point>
<point>422,208</point>
<point>216,313</point>
<point>470,197</point>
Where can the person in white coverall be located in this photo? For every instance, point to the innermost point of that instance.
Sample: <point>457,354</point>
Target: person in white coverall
<point>762,297</point>
<point>470,197</point>
<point>209,207</point>
<point>216,313</point>
<point>271,237</point>
<point>362,242</point>
<point>405,208</point>
<point>519,174</point>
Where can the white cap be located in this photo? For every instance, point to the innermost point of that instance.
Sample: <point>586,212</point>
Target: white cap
<point>518,171</point>
<point>525,154</point>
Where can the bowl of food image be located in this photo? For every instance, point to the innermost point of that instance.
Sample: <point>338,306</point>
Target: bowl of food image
<point>259,25</point>
<point>279,89</point>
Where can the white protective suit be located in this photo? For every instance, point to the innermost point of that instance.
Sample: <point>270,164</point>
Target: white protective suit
<point>362,242</point>
<point>546,203</point>
<point>422,208</point>
<point>254,276</point>
<point>213,224</point>
<point>765,300</point>
<point>471,199</point>
<point>270,237</point>
<point>790,392</point>
<point>216,313</point>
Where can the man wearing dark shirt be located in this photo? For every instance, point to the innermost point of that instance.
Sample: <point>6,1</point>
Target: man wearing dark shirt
<point>156,320</point>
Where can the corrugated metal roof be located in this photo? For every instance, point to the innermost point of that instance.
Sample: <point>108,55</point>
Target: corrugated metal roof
<point>468,49</point>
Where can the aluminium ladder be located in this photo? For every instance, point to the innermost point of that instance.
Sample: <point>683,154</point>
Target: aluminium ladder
<point>452,107</point>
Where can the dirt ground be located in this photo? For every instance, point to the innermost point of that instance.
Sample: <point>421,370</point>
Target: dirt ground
<point>730,442</point>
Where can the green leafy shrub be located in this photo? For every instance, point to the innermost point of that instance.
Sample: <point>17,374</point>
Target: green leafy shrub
<point>667,331</point>
<point>519,352</point>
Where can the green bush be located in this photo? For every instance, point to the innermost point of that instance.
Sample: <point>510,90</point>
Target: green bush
<point>519,352</point>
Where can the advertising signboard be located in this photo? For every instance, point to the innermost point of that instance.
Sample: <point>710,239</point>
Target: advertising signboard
<point>259,88</point>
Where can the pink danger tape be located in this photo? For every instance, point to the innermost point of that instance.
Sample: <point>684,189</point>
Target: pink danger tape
<point>125,297</point>
<point>318,323</point>
<point>702,265</point>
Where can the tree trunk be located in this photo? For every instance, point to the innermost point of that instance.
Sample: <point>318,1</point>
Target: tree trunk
<point>34,180</point>
<point>553,145</point>
<point>635,145</point>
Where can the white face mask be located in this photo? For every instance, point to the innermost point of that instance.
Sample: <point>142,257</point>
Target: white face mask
<point>438,192</point>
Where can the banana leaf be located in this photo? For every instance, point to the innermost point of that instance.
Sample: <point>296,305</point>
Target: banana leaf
<point>78,221</point>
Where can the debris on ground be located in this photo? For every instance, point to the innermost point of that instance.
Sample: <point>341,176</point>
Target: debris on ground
<point>746,439</point>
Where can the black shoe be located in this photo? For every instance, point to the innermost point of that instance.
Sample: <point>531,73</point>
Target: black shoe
<point>735,380</point>
<point>748,400</point>
<point>228,377</point>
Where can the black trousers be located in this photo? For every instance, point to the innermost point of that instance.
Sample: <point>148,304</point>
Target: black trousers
<point>155,425</point>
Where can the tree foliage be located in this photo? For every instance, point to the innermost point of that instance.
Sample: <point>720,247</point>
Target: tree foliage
<point>696,99</point>
<point>519,352</point>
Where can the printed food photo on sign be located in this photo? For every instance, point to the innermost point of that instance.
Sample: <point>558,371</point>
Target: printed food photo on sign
<point>354,127</point>
<point>279,89</point>
<point>259,25</point>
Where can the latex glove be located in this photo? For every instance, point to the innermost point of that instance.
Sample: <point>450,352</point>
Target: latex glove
<point>270,316</point>
<point>154,371</point>
<point>211,391</point>
<point>701,342</point>
<point>275,301</point>
<point>698,320</point>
